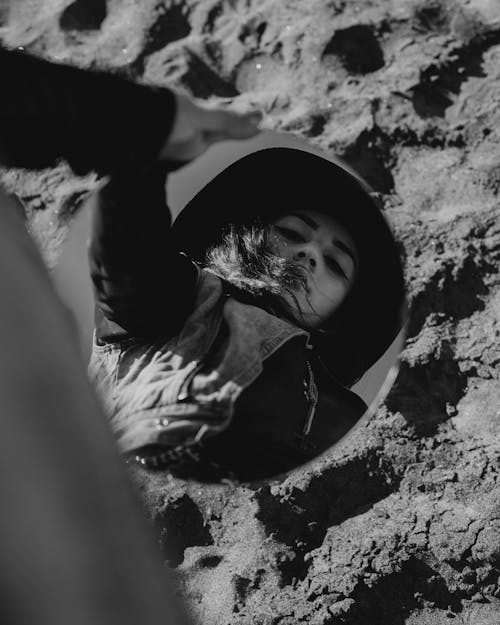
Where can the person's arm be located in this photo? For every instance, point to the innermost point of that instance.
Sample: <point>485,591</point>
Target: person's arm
<point>102,122</point>
<point>142,286</point>
<point>96,121</point>
<point>133,133</point>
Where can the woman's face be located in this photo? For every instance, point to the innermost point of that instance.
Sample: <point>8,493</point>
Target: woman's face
<point>326,251</point>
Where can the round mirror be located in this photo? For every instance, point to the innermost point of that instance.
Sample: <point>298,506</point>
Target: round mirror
<point>261,387</point>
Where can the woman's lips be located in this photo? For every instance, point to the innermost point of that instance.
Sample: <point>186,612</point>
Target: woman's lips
<point>304,268</point>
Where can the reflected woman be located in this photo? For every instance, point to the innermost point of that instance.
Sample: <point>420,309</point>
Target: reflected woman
<point>228,343</point>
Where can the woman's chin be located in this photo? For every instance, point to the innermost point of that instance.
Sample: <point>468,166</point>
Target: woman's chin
<point>309,319</point>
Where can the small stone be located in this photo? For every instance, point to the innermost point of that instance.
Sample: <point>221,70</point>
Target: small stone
<point>341,607</point>
<point>451,410</point>
<point>479,598</point>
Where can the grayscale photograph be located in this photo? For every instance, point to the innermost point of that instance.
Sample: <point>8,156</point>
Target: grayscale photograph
<point>250,312</point>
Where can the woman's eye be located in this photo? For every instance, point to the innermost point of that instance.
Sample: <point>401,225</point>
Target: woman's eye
<point>334,265</point>
<point>291,234</point>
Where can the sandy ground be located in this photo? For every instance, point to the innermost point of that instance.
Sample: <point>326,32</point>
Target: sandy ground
<point>401,524</point>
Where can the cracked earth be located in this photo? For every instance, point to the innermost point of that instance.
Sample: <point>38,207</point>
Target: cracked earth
<point>401,525</point>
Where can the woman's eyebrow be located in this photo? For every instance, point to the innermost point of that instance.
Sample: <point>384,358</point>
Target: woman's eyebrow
<point>306,219</point>
<point>340,244</point>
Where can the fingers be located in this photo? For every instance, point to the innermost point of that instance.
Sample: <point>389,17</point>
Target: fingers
<point>246,127</point>
<point>221,124</point>
<point>196,127</point>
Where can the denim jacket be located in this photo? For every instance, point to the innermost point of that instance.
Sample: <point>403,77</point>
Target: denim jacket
<point>156,390</point>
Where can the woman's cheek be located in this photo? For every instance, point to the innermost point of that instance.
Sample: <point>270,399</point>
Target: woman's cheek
<point>336,296</point>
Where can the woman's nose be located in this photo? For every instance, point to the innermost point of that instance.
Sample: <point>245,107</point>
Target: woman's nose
<point>307,256</point>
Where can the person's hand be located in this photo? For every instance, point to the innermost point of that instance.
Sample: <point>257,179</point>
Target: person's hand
<point>196,128</point>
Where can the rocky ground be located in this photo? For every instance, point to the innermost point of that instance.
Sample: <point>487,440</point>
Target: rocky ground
<point>402,524</point>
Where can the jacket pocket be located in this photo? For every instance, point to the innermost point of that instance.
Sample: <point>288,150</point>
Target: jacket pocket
<point>184,393</point>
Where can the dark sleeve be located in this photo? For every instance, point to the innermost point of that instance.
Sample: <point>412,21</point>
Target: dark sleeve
<point>143,287</point>
<point>102,122</point>
<point>96,121</point>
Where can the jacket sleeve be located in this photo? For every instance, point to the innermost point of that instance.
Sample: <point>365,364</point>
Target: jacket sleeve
<point>142,286</point>
<point>105,123</point>
<point>96,121</point>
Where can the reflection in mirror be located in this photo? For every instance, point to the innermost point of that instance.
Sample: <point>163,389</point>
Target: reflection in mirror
<point>271,319</point>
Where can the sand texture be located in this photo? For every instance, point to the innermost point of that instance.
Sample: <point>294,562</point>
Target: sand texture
<point>402,525</point>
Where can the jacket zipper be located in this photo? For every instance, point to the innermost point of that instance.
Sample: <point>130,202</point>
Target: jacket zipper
<point>311,394</point>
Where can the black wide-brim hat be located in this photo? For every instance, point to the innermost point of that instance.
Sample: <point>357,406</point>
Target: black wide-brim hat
<point>268,183</point>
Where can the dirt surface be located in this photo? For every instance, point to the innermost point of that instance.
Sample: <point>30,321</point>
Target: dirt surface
<point>402,524</point>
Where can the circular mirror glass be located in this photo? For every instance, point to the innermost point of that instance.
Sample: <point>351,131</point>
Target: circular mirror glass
<point>262,389</point>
